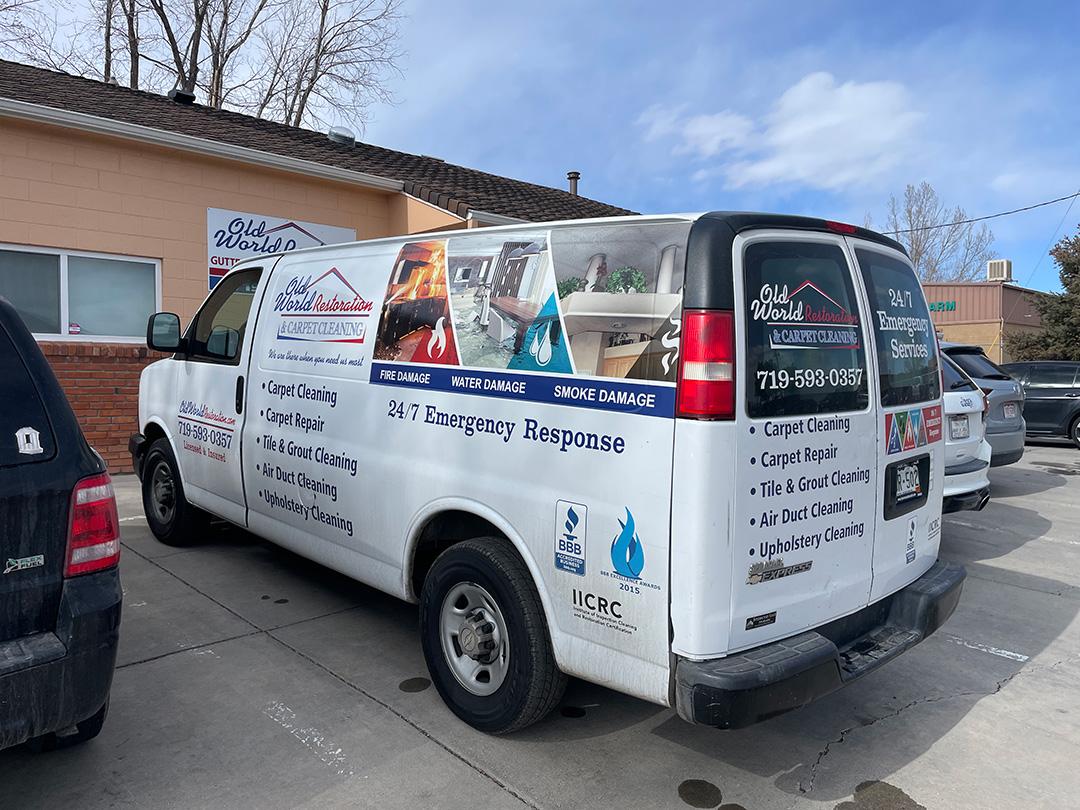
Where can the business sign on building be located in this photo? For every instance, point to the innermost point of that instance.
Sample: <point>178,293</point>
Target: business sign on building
<point>233,236</point>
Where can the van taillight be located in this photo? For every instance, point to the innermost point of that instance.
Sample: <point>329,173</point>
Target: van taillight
<point>94,528</point>
<point>707,365</point>
<point>840,227</point>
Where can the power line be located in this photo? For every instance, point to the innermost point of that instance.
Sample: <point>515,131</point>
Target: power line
<point>988,216</point>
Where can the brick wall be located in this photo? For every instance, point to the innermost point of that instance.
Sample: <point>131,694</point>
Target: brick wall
<point>102,382</point>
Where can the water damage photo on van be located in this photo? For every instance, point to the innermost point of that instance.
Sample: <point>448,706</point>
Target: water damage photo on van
<point>505,310</point>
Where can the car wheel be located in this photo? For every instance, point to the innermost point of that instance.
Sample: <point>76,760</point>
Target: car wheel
<point>85,730</point>
<point>173,520</point>
<point>1074,432</point>
<point>485,637</point>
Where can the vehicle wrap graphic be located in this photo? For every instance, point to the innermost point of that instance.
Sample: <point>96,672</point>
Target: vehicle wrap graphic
<point>917,427</point>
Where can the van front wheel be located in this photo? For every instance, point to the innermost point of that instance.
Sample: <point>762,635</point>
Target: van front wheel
<point>485,638</point>
<point>173,520</point>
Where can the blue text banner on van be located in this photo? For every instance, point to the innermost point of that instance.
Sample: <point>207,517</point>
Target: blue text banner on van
<point>604,395</point>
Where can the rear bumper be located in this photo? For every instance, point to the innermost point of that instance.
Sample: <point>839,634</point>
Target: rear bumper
<point>744,689</point>
<point>966,501</point>
<point>51,681</point>
<point>1008,447</point>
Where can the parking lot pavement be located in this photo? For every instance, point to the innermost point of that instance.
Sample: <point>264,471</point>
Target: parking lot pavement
<point>249,677</point>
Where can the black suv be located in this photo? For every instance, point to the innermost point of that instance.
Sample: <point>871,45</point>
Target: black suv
<point>1052,397</point>
<point>59,548</point>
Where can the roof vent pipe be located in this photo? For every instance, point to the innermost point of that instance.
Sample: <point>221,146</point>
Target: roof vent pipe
<point>182,96</point>
<point>342,135</point>
<point>573,177</point>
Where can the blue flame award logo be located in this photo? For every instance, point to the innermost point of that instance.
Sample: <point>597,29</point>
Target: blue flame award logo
<point>627,554</point>
<point>570,529</point>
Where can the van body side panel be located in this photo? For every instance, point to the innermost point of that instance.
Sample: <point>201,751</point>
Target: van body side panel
<point>702,535</point>
<point>531,372</point>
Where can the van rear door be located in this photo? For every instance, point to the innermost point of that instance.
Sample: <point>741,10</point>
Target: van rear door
<point>808,462</point>
<point>909,423</point>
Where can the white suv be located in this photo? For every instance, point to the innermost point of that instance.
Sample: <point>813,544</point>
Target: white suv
<point>967,452</point>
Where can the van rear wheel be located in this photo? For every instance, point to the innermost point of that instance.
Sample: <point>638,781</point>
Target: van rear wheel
<point>173,520</point>
<point>485,638</point>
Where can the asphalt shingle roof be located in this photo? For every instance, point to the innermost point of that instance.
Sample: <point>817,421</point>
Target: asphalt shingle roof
<point>454,188</point>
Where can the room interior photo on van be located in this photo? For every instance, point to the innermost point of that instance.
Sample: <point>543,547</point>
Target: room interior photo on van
<point>564,405</point>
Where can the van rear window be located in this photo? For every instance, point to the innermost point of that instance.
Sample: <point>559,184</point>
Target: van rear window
<point>907,347</point>
<point>804,344</point>
<point>25,432</point>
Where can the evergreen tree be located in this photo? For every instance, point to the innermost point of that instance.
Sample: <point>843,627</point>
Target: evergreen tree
<point>1060,338</point>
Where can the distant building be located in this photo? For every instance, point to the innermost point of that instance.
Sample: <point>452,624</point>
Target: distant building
<point>982,313</point>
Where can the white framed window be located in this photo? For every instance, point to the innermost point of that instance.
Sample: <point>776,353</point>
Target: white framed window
<point>80,296</point>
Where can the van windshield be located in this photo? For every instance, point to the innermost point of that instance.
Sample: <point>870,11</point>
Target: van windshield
<point>907,347</point>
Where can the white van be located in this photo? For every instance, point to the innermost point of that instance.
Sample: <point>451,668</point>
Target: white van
<point>697,459</point>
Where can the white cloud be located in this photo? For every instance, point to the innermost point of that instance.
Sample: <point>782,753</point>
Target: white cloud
<point>818,134</point>
<point>709,135</point>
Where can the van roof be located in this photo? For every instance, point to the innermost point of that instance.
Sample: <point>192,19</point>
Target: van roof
<point>737,221</point>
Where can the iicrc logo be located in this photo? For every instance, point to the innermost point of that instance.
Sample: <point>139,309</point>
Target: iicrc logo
<point>627,555</point>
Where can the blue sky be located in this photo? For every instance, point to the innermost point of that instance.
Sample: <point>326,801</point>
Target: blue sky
<point>823,109</point>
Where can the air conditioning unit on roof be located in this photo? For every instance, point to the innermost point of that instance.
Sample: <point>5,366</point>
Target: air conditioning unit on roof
<point>999,270</point>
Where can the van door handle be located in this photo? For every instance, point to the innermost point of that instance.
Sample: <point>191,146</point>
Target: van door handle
<point>240,394</point>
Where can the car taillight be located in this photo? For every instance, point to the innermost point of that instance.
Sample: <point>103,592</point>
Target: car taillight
<point>94,527</point>
<point>986,399</point>
<point>707,365</point>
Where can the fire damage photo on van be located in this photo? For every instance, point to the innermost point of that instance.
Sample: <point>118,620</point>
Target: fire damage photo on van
<point>505,311</point>
<point>620,287</point>
<point>415,325</point>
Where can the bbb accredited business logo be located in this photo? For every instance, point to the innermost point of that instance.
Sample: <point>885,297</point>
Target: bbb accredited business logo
<point>571,524</point>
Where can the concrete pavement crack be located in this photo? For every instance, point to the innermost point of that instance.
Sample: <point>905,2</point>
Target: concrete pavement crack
<point>409,722</point>
<point>269,633</point>
<point>808,786</point>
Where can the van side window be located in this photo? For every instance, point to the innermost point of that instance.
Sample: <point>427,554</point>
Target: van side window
<point>217,332</point>
<point>804,345</point>
<point>907,347</point>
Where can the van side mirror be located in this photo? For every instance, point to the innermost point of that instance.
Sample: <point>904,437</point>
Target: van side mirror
<point>163,332</point>
<point>223,343</point>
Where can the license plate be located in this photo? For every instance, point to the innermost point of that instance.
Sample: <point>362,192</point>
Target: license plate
<point>958,427</point>
<point>908,485</point>
<point>1010,410</point>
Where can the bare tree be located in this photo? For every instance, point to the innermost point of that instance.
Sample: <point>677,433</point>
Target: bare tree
<point>130,10</point>
<point>941,244</point>
<point>296,61</point>
<point>179,22</point>
<point>230,25</point>
<point>333,61</point>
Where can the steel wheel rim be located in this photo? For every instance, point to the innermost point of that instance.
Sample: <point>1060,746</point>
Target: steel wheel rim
<point>469,621</point>
<point>163,492</point>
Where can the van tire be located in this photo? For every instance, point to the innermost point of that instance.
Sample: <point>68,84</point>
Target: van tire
<point>173,520</point>
<point>532,684</point>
